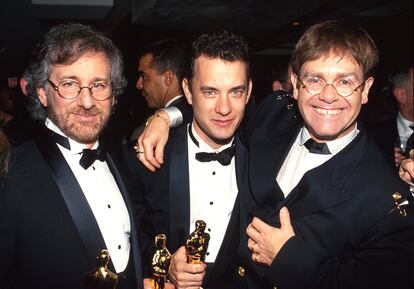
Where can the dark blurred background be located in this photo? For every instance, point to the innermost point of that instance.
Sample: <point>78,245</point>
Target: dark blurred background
<point>271,27</point>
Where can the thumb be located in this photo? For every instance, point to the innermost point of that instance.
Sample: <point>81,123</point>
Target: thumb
<point>285,219</point>
<point>181,254</point>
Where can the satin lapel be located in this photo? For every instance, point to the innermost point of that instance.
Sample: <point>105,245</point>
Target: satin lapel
<point>322,187</point>
<point>73,196</point>
<point>129,204</point>
<point>232,236</point>
<point>179,189</point>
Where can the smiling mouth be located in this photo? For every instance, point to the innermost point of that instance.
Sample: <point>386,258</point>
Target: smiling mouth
<point>328,111</point>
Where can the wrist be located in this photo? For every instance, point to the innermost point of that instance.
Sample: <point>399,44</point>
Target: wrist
<point>158,115</point>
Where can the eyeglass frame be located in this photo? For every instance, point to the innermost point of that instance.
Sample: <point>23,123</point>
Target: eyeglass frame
<point>56,88</point>
<point>326,84</point>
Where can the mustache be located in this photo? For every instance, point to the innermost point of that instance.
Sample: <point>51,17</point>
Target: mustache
<point>89,112</point>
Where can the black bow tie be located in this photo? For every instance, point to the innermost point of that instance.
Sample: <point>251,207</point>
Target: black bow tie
<point>317,147</point>
<point>224,157</point>
<point>90,156</point>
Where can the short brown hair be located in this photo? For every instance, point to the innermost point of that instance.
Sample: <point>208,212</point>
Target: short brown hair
<point>338,38</point>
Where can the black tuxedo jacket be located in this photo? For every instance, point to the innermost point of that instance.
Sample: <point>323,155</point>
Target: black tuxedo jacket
<point>385,136</point>
<point>49,237</point>
<point>163,203</point>
<point>348,234</point>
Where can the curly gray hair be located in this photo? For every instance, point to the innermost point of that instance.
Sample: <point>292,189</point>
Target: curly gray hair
<point>65,44</point>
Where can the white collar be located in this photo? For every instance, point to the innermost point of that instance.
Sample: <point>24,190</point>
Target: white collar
<point>335,145</point>
<point>404,123</point>
<point>172,100</point>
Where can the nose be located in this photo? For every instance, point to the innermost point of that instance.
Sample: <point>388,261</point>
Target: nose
<point>85,98</point>
<point>223,105</point>
<point>139,83</point>
<point>329,94</point>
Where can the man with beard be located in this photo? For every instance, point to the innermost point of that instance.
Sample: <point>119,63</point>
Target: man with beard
<point>64,200</point>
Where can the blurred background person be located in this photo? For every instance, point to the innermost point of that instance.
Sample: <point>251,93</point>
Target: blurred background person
<point>392,132</point>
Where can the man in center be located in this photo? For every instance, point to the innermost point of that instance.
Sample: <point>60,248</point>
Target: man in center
<point>171,200</point>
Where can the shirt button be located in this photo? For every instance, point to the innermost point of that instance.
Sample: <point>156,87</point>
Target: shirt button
<point>119,247</point>
<point>211,203</point>
<point>213,173</point>
<point>109,206</point>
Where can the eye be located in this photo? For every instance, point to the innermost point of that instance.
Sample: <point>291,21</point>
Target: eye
<point>313,80</point>
<point>344,82</point>
<point>209,93</point>
<point>68,84</point>
<point>99,85</point>
<point>237,92</point>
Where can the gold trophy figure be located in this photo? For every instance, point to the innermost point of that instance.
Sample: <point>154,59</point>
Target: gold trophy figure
<point>101,278</point>
<point>197,243</point>
<point>160,263</point>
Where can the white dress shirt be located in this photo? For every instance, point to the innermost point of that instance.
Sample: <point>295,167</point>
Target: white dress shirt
<point>300,160</point>
<point>213,191</point>
<point>404,130</point>
<point>104,199</point>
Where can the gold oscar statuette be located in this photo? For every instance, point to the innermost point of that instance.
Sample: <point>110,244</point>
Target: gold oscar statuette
<point>160,262</point>
<point>101,277</point>
<point>197,243</point>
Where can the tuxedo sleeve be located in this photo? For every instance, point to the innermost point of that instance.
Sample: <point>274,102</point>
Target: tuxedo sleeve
<point>135,172</point>
<point>275,112</point>
<point>385,259</point>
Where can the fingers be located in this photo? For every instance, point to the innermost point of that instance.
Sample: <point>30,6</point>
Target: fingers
<point>251,244</point>
<point>252,232</point>
<point>285,224</point>
<point>159,151</point>
<point>149,145</point>
<point>139,147</point>
<point>147,283</point>
<point>185,275</point>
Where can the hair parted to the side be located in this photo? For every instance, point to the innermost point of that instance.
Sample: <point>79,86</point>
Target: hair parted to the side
<point>223,45</point>
<point>65,44</point>
<point>335,37</point>
<point>168,54</point>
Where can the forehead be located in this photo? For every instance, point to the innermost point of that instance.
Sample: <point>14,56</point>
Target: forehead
<point>145,61</point>
<point>89,65</point>
<point>333,64</point>
<point>219,70</point>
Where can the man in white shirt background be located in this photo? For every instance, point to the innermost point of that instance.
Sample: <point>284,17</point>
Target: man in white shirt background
<point>64,199</point>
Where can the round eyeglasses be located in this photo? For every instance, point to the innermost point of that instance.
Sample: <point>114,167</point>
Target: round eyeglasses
<point>344,87</point>
<point>70,89</point>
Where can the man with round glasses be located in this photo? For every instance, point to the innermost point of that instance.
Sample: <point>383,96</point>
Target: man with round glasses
<point>329,211</point>
<point>64,198</point>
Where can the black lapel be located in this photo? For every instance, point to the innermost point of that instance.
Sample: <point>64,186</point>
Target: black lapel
<point>265,160</point>
<point>179,189</point>
<point>232,236</point>
<point>322,187</point>
<point>73,196</point>
<point>134,230</point>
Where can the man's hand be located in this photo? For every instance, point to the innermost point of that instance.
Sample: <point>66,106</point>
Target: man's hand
<point>266,241</point>
<point>406,170</point>
<point>398,156</point>
<point>185,275</point>
<point>147,284</point>
<point>151,142</point>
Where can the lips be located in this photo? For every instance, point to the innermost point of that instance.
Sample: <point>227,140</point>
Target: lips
<point>328,111</point>
<point>223,123</point>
